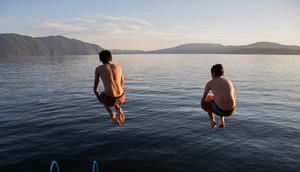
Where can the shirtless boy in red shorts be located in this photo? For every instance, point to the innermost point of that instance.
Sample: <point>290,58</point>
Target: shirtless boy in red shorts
<point>223,103</point>
<point>113,82</point>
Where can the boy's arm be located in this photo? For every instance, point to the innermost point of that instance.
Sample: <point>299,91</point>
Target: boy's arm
<point>122,81</point>
<point>96,83</point>
<point>206,91</point>
<point>122,77</point>
<point>234,93</point>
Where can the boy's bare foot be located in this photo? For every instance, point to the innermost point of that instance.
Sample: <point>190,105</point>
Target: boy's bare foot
<point>213,124</point>
<point>115,120</point>
<point>121,117</point>
<point>221,123</point>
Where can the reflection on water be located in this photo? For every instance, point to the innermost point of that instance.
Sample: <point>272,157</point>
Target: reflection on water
<point>48,111</point>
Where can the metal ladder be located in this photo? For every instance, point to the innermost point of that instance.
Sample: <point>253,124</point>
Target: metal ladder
<point>54,165</point>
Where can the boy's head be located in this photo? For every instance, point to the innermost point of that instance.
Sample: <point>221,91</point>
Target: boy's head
<point>105,56</point>
<point>217,70</point>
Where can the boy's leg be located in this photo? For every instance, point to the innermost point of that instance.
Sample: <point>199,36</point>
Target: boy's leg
<point>120,113</point>
<point>211,118</point>
<point>112,115</point>
<point>206,106</point>
<point>221,123</point>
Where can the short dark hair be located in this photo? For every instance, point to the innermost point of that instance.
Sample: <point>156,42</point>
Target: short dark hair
<point>217,70</point>
<point>105,56</point>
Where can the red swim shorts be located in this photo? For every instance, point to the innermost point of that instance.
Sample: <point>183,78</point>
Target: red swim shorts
<point>112,101</point>
<point>208,102</point>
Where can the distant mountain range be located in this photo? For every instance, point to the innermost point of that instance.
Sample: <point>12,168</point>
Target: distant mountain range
<point>199,48</point>
<point>19,45</point>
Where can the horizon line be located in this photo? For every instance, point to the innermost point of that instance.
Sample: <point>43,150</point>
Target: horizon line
<point>153,49</point>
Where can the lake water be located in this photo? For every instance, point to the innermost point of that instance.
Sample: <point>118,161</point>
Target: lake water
<point>48,112</point>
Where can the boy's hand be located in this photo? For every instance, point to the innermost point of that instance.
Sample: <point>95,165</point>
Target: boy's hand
<point>100,100</point>
<point>98,96</point>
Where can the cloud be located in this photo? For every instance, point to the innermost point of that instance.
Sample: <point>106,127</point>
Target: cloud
<point>118,32</point>
<point>178,27</point>
<point>126,22</point>
<point>135,29</point>
<point>75,25</point>
<point>112,25</point>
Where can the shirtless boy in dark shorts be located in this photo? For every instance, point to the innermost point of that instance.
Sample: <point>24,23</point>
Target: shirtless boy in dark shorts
<point>223,103</point>
<point>113,82</point>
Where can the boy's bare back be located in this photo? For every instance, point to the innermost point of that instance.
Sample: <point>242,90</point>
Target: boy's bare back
<point>223,91</point>
<point>112,79</point>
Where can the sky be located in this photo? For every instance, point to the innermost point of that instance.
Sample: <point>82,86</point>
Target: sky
<point>155,24</point>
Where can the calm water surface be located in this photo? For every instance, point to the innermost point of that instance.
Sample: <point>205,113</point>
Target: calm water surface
<point>48,111</point>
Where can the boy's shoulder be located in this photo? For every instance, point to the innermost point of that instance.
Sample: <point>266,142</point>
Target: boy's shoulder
<point>227,79</point>
<point>98,68</point>
<point>117,65</point>
<point>209,83</point>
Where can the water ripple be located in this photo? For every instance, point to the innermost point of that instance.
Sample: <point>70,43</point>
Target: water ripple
<point>53,114</point>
